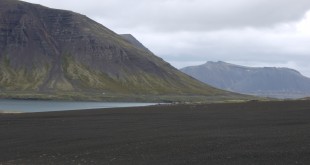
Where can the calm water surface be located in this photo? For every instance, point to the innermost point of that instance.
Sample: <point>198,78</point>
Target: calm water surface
<point>44,106</point>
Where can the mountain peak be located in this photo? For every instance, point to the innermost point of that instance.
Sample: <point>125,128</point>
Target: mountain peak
<point>131,39</point>
<point>216,62</point>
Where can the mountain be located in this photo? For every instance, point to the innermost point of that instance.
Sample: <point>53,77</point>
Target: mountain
<point>266,81</point>
<point>48,53</point>
<point>131,39</point>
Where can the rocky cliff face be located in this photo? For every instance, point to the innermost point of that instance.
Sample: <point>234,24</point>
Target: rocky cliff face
<point>267,81</point>
<point>49,50</point>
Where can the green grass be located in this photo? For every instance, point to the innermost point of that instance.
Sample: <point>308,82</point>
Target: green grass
<point>92,96</point>
<point>20,79</point>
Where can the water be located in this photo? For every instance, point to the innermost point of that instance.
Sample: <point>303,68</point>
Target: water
<point>45,106</point>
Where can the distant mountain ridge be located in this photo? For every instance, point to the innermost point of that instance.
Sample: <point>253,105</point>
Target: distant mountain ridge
<point>260,81</point>
<point>46,51</point>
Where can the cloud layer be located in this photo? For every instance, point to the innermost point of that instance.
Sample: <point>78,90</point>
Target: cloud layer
<point>187,15</point>
<point>185,32</point>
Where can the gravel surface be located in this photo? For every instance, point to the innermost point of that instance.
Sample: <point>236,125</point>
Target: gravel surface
<point>232,133</point>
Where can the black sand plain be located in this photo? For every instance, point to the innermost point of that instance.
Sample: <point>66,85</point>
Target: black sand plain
<point>231,133</point>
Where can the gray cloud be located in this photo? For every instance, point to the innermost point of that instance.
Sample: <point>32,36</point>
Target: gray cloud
<point>187,32</point>
<point>186,15</point>
<point>245,46</point>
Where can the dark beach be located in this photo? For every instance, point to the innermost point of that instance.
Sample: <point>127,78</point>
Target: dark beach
<point>232,133</point>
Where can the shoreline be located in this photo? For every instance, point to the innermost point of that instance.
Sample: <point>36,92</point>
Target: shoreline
<point>9,112</point>
<point>32,106</point>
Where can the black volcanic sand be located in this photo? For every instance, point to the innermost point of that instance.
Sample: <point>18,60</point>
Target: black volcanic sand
<point>238,133</point>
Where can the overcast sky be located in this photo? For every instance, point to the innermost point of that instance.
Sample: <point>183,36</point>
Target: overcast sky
<point>191,32</point>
